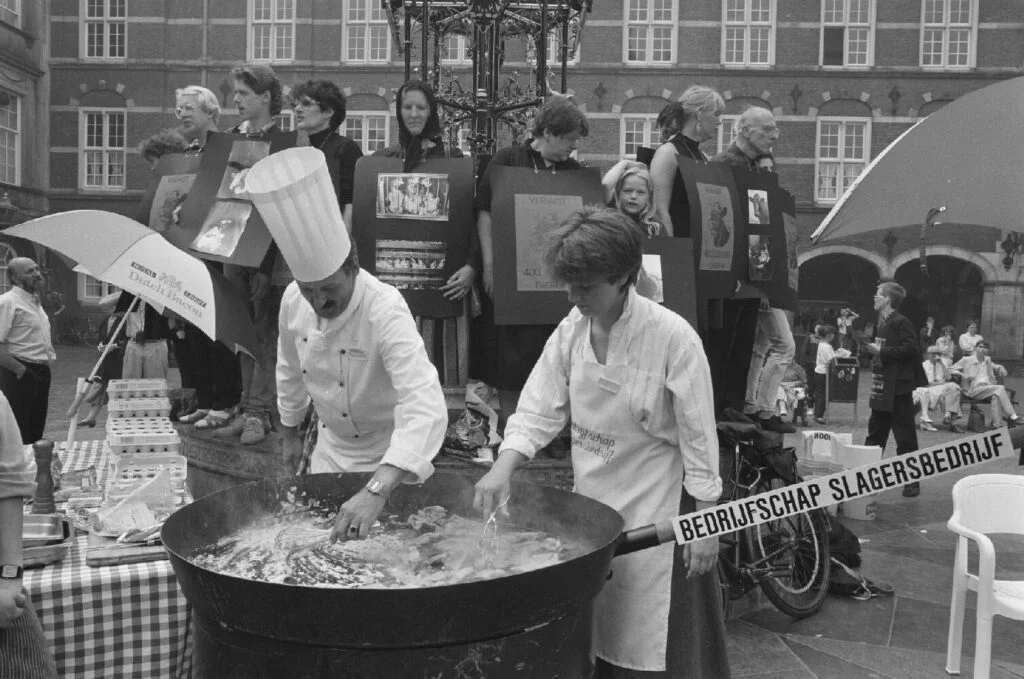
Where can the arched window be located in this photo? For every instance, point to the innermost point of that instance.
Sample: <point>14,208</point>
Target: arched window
<point>6,255</point>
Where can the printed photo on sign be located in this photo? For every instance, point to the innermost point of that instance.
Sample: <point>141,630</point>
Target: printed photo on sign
<point>650,283</point>
<point>411,264</point>
<point>412,196</point>
<point>170,193</point>
<point>536,217</point>
<point>757,200</point>
<point>244,154</point>
<point>717,227</point>
<point>792,263</point>
<point>223,228</point>
<point>759,258</point>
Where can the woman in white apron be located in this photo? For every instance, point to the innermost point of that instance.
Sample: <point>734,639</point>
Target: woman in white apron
<point>633,378</point>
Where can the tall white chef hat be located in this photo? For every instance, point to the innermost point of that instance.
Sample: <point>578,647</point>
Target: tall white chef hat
<point>293,192</point>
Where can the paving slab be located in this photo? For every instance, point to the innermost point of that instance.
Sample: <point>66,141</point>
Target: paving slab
<point>827,666</point>
<point>840,618</point>
<point>755,652</point>
<point>924,626</point>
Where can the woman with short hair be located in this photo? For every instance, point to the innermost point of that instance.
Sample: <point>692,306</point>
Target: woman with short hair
<point>633,378</point>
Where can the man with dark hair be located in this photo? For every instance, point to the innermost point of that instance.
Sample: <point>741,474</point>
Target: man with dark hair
<point>896,371</point>
<point>25,348</point>
<point>319,112</point>
<point>258,99</point>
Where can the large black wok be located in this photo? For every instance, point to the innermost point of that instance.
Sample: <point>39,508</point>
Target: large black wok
<point>397,618</point>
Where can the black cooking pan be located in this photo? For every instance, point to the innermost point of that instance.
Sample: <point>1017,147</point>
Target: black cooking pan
<point>398,618</point>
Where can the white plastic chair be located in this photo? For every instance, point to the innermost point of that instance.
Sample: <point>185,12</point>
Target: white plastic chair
<point>982,504</point>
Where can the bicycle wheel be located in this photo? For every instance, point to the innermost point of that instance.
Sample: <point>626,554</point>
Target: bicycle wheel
<point>794,552</point>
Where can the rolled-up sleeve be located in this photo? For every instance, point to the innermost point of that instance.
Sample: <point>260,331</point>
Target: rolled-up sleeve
<point>543,408</point>
<point>688,379</point>
<point>16,479</point>
<point>292,395</point>
<point>421,415</point>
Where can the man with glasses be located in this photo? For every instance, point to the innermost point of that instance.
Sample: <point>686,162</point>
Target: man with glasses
<point>198,110</point>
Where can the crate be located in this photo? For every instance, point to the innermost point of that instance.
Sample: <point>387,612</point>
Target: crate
<point>151,388</point>
<point>139,407</point>
<point>140,425</point>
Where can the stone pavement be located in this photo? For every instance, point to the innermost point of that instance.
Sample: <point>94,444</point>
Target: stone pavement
<point>902,637</point>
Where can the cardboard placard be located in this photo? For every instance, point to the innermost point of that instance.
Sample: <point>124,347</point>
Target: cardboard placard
<point>218,221</point>
<point>767,253</point>
<point>719,230</point>
<point>668,263</point>
<point>172,180</point>
<point>526,206</point>
<point>412,229</point>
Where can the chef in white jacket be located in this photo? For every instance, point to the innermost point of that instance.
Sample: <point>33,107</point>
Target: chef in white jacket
<point>634,379</point>
<point>348,344</point>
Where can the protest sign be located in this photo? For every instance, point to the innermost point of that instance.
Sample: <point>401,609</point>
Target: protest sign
<point>217,219</point>
<point>718,229</point>
<point>412,230</point>
<point>668,271</point>
<point>172,180</point>
<point>526,206</point>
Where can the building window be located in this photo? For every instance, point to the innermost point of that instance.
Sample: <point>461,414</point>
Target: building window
<point>650,31</point>
<point>10,11</point>
<point>92,290</point>
<point>726,132</point>
<point>637,131</point>
<point>272,30</point>
<point>366,33</point>
<point>748,33</point>
<point>6,255</point>
<point>10,138</point>
<point>285,120</point>
<point>103,149</point>
<point>368,129</point>
<point>104,29</point>
<point>947,32</point>
<point>841,155</point>
<point>847,33</point>
<point>456,50</point>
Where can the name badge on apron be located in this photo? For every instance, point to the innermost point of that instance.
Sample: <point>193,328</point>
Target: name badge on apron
<point>612,378</point>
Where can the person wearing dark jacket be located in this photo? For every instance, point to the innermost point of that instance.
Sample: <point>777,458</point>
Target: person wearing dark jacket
<point>319,112</point>
<point>896,371</point>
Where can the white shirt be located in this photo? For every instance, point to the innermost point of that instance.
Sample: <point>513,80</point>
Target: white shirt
<point>16,477</point>
<point>936,371</point>
<point>649,340</point>
<point>977,373</point>
<point>367,373</point>
<point>967,342</point>
<point>24,327</point>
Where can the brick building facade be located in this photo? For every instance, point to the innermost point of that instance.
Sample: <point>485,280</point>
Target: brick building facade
<point>844,77</point>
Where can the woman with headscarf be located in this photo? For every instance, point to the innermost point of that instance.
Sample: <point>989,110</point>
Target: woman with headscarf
<point>419,138</point>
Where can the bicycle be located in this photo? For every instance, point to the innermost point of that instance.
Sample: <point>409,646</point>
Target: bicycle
<point>789,557</point>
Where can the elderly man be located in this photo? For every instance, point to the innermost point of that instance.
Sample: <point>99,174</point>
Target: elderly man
<point>25,348</point>
<point>348,345</point>
<point>198,110</point>
<point>979,380</point>
<point>941,392</point>
<point>773,345</point>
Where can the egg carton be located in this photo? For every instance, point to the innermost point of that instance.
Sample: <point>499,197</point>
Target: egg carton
<point>142,425</point>
<point>149,388</point>
<point>129,469</point>
<point>131,441</point>
<point>139,407</point>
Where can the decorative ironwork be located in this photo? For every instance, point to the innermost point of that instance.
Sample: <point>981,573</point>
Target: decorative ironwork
<point>486,24</point>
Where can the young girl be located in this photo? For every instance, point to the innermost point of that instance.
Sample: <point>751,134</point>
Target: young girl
<point>629,188</point>
<point>826,334</point>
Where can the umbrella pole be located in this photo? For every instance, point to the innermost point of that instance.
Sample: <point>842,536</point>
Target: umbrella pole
<point>80,395</point>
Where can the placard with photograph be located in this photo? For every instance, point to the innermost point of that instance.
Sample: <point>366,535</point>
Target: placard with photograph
<point>526,206</point>
<point>718,218</point>
<point>172,180</point>
<point>412,230</point>
<point>668,272</point>
<point>767,253</point>
<point>217,221</point>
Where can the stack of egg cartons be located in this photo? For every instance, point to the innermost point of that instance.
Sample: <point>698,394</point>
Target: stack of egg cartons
<point>818,456</point>
<point>140,435</point>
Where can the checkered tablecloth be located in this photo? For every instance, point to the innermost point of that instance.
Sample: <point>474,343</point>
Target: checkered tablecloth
<point>111,621</point>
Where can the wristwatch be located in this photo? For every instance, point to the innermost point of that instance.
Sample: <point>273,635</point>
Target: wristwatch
<point>376,486</point>
<point>9,571</point>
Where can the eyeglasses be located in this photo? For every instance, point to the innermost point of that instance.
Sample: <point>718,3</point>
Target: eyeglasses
<point>187,108</point>
<point>306,102</point>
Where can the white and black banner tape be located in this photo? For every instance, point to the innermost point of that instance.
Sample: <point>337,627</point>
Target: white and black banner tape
<point>886,474</point>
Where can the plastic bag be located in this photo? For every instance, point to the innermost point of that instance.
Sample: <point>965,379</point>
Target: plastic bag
<point>475,428</point>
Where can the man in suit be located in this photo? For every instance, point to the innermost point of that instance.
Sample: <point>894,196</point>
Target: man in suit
<point>896,371</point>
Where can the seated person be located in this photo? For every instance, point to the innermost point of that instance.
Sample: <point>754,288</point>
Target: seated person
<point>979,380</point>
<point>793,393</point>
<point>941,392</point>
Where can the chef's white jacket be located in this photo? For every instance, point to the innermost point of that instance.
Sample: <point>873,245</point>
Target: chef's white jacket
<point>368,376</point>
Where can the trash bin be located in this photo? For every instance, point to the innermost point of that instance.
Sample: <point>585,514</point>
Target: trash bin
<point>843,379</point>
